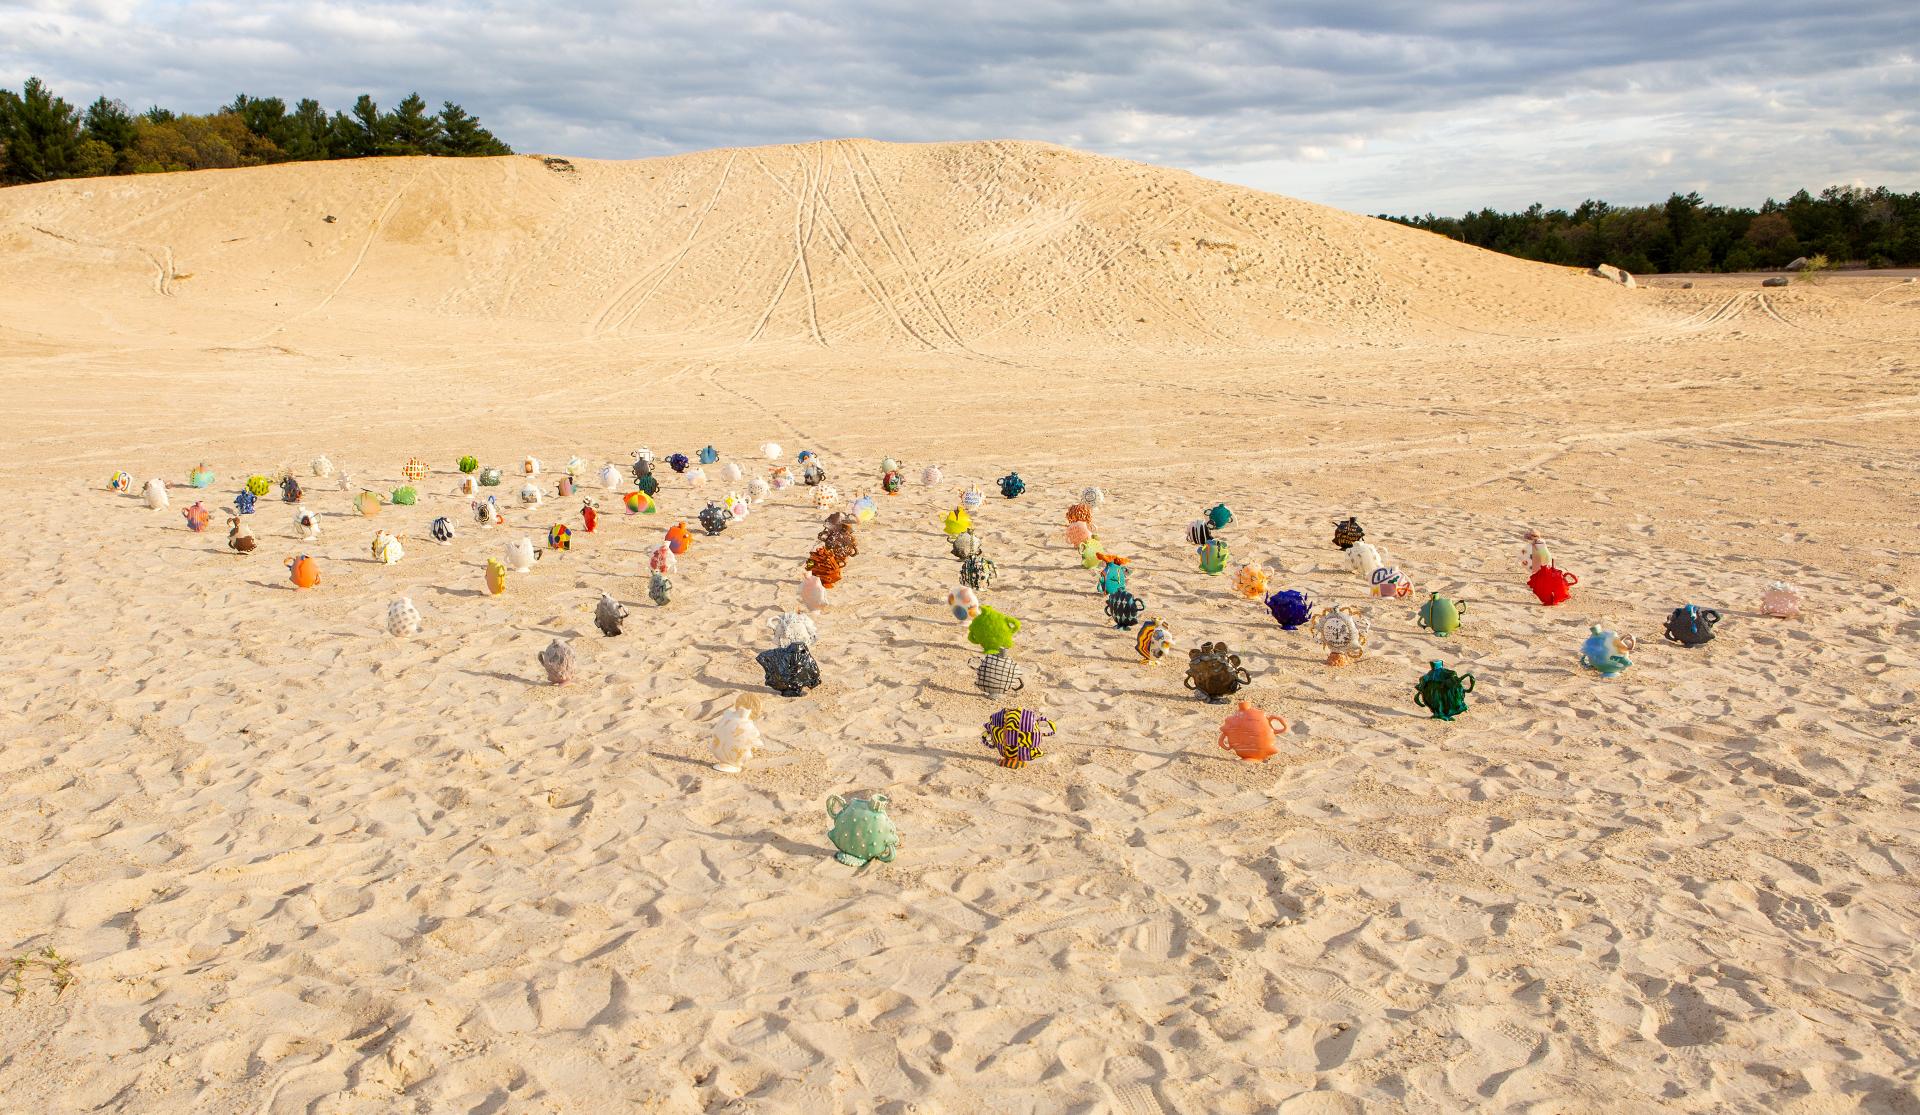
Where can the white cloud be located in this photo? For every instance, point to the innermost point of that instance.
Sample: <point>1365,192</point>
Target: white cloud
<point>1392,106</point>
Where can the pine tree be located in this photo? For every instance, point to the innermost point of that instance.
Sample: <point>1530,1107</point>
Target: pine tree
<point>366,133</point>
<point>410,129</point>
<point>40,137</point>
<point>110,123</point>
<point>308,132</point>
<point>461,134</point>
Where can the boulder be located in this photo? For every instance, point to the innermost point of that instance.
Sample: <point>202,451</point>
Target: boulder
<point>1798,264</point>
<point>1777,280</point>
<point>1613,274</point>
<point>1686,286</point>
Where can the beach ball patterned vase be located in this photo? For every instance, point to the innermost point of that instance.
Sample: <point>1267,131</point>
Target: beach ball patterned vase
<point>1443,692</point>
<point>862,831</point>
<point>1690,626</point>
<point>1014,734</point>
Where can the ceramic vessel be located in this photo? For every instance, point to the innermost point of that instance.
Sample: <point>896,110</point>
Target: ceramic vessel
<point>386,548</point>
<point>367,504</point>
<point>997,675</point>
<point>303,571</point>
<point>496,577</point>
<point>610,616</point>
<point>1199,532</point>
<point>244,502</point>
<point>1111,577</point>
<point>1153,642</point>
<point>1214,671</point>
<point>521,555</point>
<point>403,619</point>
<point>992,631</point>
<point>964,603</point>
<point>957,522</point>
<point>490,477</point>
<point>1213,557</point>
<point>1124,609</point>
<point>1388,584</point>
<point>971,498</point>
<point>120,482</point>
<point>558,661</point>
<point>1250,581</point>
<point>963,546</point>
<point>862,831</point>
<point>1092,497</point>
<point>155,494</point>
<point>790,669</point>
<point>735,738</point>
<point>530,494</point>
<point>1251,734</point>
<point>825,565</point>
<point>1605,652</point>
<point>1690,626</point>
<point>1346,532</point>
<point>679,539</point>
<point>1441,615</point>
<point>793,627</point>
<point>239,539</point>
<point>1364,557</point>
<point>530,466</point>
<point>977,571</point>
<point>1780,601</point>
<point>1290,608</point>
<point>441,531</point>
<point>1218,516</point>
<point>1011,485</point>
<point>1552,585</point>
<point>813,594</point>
<point>201,477</point>
<point>1077,533</point>
<point>307,522</point>
<point>589,516</point>
<point>660,589</point>
<point>1344,631</point>
<point>714,518</point>
<point>1538,556</point>
<point>610,478</point>
<point>322,467</point>
<point>930,475</point>
<point>1015,734</point>
<point>197,517</point>
<point>415,470</point>
<point>1443,692</point>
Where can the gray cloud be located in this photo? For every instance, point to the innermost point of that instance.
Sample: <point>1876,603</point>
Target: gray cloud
<point>1380,107</point>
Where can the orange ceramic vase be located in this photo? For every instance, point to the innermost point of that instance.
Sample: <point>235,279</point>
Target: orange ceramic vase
<point>1251,734</point>
<point>305,571</point>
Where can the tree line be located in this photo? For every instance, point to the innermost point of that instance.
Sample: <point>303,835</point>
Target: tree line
<point>1877,227</point>
<point>43,138</point>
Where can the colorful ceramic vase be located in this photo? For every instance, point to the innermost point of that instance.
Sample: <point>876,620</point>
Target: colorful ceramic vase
<point>1251,734</point>
<point>862,831</point>
<point>1690,626</point>
<point>1605,652</point>
<point>1290,608</point>
<point>1346,532</point>
<point>1388,584</point>
<point>963,546</point>
<point>1199,532</point>
<point>1015,734</point>
<point>1441,615</point>
<point>1344,631</point>
<point>530,494</point>
<point>404,496</point>
<point>1552,585</point>
<point>957,522</point>
<point>239,539</point>
<point>1214,671</point>
<point>120,482</point>
<point>825,565</point>
<point>307,521</point>
<point>997,675</point>
<point>563,487</point>
<point>660,589</point>
<point>468,464</point>
<point>1250,581</point>
<point>559,538</point>
<point>648,486</point>
<point>813,594</point>
<point>303,571</point>
<point>415,470</point>
<point>441,530</point>
<point>201,477</point>
<point>1124,609</point>
<point>290,490</point>
<point>197,517</point>
<point>679,539</point>
<point>490,477</point>
<point>1112,574</point>
<point>589,516</point>
<point>1078,533</point>
<point>964,603</point>
<point>1442,691</point>
<point>367,504</point>
<point>1538,556</point>
<point>971,498</point>
<point>977,571</point>
<point>496,576</point>
<point>708,455</point>
<point>1011,485</point>
<point>1153,642</point>
<point>1213,557</point>
<point>992,631</point>
<point>1218,516</point>
<point>714,518</point>
<point>638,503</point>
<point>1080,513</point>
<point>386,548</point>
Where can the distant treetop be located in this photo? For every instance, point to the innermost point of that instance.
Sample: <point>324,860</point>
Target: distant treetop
<point>1877,227</point>
<point>42,137</point>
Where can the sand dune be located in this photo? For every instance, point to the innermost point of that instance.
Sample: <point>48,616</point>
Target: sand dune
<point>300,865</point>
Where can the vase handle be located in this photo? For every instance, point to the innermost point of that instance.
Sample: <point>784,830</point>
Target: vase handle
<point>1189,681</point>
<point>1572,580</point>
<point>1279,725</point>
<point>1468,679</point>
<point>835,803</point>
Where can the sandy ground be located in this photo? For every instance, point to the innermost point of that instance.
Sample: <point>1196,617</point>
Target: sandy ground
<point>299,865</point>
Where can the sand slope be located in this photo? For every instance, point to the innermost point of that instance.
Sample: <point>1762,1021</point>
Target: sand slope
<point>958,248</point>
<point>300,866</point>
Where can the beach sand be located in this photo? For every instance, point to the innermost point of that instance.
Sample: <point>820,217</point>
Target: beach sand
<point>297,864</point>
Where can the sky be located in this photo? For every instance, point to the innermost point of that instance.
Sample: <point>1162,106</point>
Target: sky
<point>1381,107</point>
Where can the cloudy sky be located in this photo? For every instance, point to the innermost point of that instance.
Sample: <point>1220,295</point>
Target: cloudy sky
<point>1389,106</point>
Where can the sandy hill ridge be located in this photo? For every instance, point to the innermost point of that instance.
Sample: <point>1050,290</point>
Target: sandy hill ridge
<point>959,247</point>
